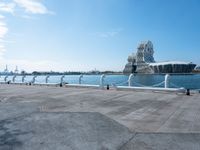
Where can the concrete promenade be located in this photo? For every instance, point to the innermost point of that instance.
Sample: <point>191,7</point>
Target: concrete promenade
<point>67,118</point>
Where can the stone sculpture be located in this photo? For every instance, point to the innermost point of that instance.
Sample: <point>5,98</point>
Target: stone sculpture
<point>143,62</point>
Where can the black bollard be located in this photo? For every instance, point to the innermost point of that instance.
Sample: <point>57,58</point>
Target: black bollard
<point>61,84</point>
<point>188,92</point>
<point>108,87</point>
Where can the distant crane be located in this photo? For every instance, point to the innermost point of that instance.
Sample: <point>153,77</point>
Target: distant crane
<point>16,70</point>
<point>6,69</point>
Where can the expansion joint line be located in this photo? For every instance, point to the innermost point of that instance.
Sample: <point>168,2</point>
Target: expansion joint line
<point>118,96</point>
<point>170,116</point>
<point>134,135</point>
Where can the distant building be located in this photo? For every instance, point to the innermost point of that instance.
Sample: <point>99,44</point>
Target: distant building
<point>143,62</point>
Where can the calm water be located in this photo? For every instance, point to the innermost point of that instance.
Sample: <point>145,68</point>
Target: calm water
<point>191,81</point>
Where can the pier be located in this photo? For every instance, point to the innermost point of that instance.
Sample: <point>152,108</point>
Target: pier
<point>38,117</point>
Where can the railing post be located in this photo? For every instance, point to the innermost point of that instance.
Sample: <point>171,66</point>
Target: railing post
<point>33,81</point>
<point>5,79</point>
<point>46,79</point>
<point>23,78</point>
<point>167,77</point>
<point>13,79</point>
<point>80,77</point>
<point>102,80</point>
<point>130,79</point>
<point>62,79</point>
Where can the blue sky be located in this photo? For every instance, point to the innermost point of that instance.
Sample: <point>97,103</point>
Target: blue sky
<point>83,35</point>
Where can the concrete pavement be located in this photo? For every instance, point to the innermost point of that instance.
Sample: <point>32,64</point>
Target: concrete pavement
<point>38,117</point>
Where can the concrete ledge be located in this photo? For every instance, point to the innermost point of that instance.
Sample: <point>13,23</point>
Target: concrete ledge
<point>46,84</point>
<point>83,86</point>
<point>179,90</point>
<point>121,88</point>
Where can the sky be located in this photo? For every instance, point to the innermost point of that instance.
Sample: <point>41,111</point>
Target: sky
<point>83,35</point>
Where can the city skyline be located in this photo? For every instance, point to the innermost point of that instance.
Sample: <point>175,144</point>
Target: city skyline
<point>75,35</point>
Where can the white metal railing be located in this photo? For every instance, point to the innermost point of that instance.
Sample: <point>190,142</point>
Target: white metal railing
<point>80,79</point>
<point>130,79</point>
<point>5,78</point>
<point>13,79</point>
<point>167,77</point>
<point>132,84</point>
<point>102,80</point>
<point>33,80</point>
<point>23,78</point>
<point>47,79</point>
<point>62,79</point>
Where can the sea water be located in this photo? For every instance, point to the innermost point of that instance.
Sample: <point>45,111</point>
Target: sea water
<point>188,81</point>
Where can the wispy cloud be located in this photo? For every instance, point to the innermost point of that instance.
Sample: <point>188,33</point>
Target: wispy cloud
<point>32,6</point>
<point>3,32</point>
<point>29,6</point>
<point>11,7</point>
<point>7,7</point>
<point>28,17</point>
<point>108,34</point>
<point>2,17</point>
